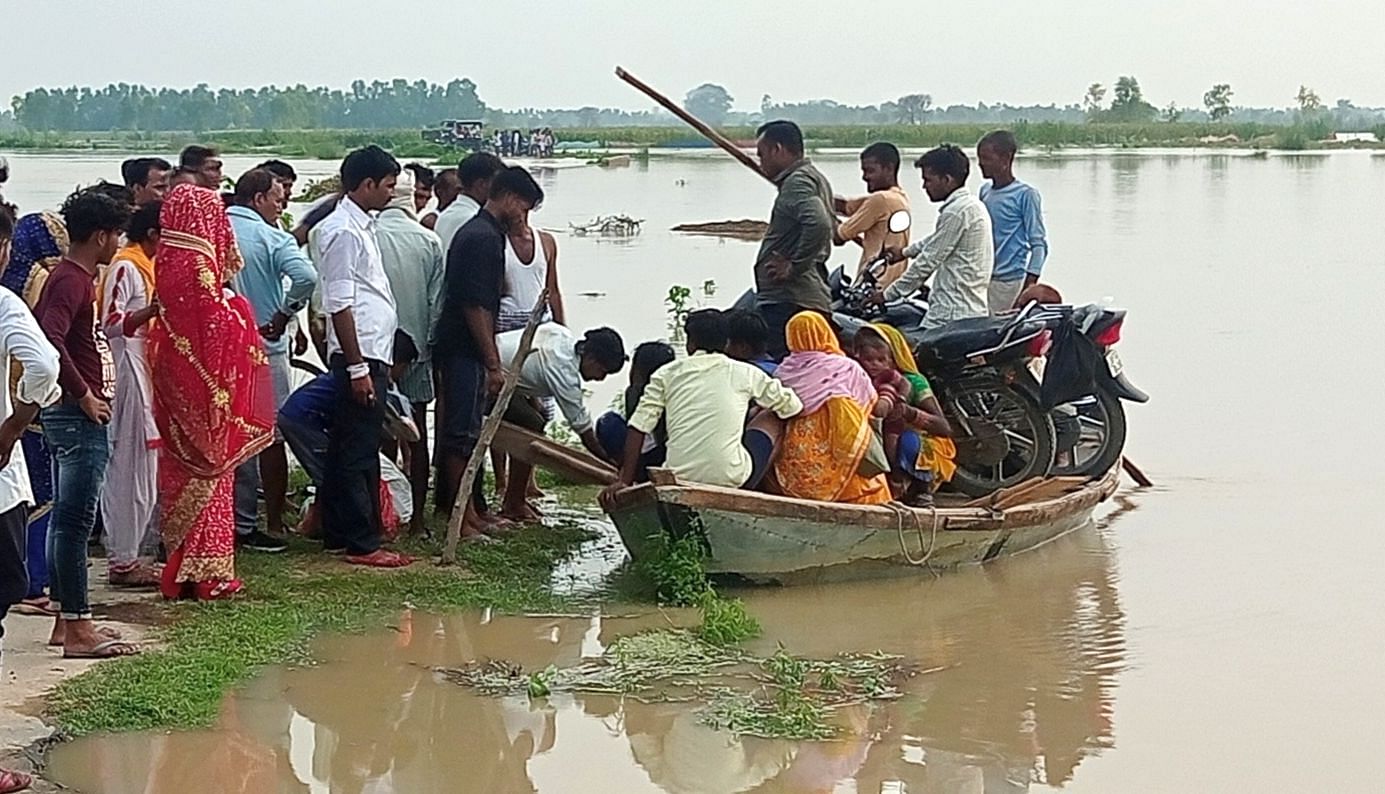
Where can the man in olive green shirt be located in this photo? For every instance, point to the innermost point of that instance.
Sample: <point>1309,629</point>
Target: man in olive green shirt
<point>791,268</point>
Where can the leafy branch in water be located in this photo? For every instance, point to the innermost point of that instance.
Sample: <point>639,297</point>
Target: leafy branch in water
<point>781,696</point>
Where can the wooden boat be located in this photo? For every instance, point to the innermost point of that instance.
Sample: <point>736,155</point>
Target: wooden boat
<point>777,539</point>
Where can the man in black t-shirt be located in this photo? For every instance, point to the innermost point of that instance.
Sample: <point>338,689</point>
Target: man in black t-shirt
<point>469,365</point>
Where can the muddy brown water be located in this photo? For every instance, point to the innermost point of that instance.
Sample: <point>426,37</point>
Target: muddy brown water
<point>1222,632</point>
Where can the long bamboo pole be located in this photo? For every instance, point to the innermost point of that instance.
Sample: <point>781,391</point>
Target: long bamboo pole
<point>692,121</point>
<point>488,430</point>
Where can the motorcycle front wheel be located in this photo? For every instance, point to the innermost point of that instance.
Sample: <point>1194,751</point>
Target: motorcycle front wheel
<point>1003,437</point>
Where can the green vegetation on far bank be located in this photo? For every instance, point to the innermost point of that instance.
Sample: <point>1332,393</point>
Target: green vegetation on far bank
<point>333,144</point>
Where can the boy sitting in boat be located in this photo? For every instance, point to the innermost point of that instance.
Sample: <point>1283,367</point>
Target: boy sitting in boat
<point>702,398</point>
<point>612,426</point>
<point>747,339</point>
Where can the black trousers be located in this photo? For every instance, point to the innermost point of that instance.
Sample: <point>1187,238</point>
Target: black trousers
<point>351,477</point>
<point>14,577</point>
<point>777,315</point>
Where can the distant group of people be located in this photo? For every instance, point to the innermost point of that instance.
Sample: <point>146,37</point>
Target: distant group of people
<point>863,428</point>
<point>513,143</point>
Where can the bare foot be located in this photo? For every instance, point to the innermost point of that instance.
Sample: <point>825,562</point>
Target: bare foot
<point>59,635</point>
<point>491,521</point>
<point>533,491</point>
<point>521,513</point>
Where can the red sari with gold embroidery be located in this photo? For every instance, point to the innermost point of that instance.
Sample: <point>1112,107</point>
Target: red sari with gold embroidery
<point>213,401</point>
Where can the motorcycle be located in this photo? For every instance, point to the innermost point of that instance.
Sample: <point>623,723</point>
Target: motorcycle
<point>1084,385</point>
<point>978,369</point>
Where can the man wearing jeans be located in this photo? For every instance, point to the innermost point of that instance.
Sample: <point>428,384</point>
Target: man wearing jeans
<point>356,296</point>
<point>75,428</point>
<point>271,256</point>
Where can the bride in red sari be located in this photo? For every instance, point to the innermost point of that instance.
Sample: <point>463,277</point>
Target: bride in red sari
<point>212,396</point>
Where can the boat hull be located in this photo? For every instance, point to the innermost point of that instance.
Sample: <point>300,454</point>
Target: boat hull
<point>767,539</point>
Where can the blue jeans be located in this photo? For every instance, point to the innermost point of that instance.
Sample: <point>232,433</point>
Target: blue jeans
<point>309,445</point>
<point>80,448</point>
<point>611,429</point>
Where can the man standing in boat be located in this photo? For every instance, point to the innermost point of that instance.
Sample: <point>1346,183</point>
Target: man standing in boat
<point>791,268</point>
<point>1017,221</point>
<point>868,216</point>
<point>959,251</point>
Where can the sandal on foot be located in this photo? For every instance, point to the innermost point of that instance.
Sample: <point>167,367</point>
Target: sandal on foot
<point>11,781</point>
<point>140,577</point>
<point>40,606</point>
<point>104,650</point>
<point>218,590</point>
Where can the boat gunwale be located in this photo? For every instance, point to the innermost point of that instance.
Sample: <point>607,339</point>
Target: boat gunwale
<point>694,496</point>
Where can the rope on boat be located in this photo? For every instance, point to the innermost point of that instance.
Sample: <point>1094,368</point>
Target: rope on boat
<point>900,511</point>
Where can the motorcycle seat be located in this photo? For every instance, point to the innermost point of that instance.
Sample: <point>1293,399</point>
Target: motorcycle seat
<point>960,337</point>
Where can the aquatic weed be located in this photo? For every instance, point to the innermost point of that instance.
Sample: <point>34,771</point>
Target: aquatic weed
<point>725,621</point>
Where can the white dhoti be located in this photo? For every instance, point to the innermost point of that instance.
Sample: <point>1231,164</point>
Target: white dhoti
<point>130,498</point>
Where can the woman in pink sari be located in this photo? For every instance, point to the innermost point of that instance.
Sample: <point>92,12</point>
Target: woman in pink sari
<point>212,398</point>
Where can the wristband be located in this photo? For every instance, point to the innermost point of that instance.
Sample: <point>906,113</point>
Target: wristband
<point>358,371</point>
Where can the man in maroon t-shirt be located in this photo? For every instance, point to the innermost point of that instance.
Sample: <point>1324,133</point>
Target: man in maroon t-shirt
<point>75,428</point>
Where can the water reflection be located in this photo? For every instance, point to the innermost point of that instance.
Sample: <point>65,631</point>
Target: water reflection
<point>1029,651</point>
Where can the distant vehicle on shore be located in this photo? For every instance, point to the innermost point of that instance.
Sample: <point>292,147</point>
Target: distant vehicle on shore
<point>459,134</point>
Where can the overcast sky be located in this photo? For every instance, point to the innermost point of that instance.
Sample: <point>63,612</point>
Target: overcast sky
<point>561,54</point>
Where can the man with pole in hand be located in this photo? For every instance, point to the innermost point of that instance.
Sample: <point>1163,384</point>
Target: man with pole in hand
<point>791,267</point>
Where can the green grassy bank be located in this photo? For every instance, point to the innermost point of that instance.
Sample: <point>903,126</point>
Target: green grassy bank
<point>332,144</point>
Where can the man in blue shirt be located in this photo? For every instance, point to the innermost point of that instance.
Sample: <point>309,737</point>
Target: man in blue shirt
<point>271,255</point>
<point>1017,221</point>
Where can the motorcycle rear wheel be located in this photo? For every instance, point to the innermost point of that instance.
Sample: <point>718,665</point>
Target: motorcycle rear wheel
<point>1027,430</point>
<point>1101,438</point>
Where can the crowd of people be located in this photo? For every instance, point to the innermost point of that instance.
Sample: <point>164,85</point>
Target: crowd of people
<point>150,323</point>
<point>514,143</point>
<point>861,427</point>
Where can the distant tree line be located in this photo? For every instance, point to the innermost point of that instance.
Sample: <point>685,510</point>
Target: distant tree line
<point>401,104</point>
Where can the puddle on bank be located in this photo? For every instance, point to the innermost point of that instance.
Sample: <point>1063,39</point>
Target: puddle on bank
<point>1030,649</point>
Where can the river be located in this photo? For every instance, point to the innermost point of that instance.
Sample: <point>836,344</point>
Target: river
<point>1220,632</point>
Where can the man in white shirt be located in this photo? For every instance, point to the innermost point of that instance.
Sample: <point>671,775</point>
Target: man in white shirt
<point>360,336</point>
<point>703,399</point>
<point>555,368</point>
<point>22,341</point>
<point>475,172</point>
<point>960,250</point>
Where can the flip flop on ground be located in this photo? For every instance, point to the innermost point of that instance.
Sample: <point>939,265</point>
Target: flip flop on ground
<point>11,781</point>
<point>103,650</point>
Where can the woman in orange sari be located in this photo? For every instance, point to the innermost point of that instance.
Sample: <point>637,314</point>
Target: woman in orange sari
<point>821,452</point>
<point>212,397</point>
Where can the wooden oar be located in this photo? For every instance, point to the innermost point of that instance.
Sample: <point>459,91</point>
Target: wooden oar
<point>1135,473</point>
<point>693,121</point>
<point>488,430</point>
